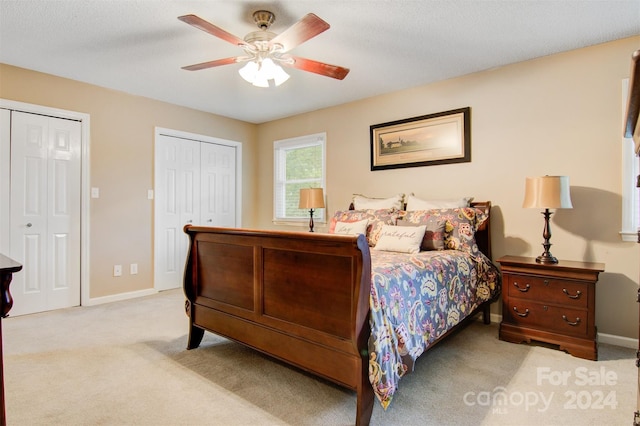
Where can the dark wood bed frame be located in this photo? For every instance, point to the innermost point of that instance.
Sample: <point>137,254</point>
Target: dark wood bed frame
<point>299,297</point>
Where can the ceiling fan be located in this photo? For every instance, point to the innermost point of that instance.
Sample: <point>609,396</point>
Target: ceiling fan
<point>264,50</point>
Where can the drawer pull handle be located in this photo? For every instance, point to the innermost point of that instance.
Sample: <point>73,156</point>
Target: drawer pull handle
<point>576,296</point>
<point>524,290</point>
<point>564,317</point>
<point>524,314</point>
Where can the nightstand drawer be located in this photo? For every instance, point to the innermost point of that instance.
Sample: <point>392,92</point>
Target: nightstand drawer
<point>549,290</point>
<point>550,318</point>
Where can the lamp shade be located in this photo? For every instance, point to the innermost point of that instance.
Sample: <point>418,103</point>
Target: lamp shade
<point>311,198</point>
<point>547,192</point>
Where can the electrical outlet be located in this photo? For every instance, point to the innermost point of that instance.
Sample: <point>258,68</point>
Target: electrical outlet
<point>117,270</point>
<point>133,268</point>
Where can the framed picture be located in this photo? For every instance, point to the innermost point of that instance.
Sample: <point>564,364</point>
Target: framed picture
<point>441,138</point>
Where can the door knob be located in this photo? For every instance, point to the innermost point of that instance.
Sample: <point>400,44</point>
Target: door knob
<point>29,225</point>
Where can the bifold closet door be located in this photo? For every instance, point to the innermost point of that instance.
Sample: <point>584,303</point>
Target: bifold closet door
<point>218,183</point>
<point>45,212</point>
<point>195,183</point>
<point>177,203</point>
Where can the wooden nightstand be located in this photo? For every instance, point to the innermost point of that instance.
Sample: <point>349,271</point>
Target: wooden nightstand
<point>552,303</point>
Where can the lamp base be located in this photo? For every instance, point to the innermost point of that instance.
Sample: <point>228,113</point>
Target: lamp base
<point>546,257</point>
<point>310,220</point>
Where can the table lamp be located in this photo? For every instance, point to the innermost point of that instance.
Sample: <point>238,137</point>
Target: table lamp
<point>547,192</point>
<point>311,198</point>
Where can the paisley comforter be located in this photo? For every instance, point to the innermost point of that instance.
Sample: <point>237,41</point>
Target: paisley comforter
<point>415,299</point>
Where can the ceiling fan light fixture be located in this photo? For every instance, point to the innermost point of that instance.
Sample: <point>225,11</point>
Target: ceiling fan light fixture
<point>259,74</point>
<point>263,48</point>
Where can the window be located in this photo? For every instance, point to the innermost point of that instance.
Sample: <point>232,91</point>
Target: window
<point>298,163</point>
<point>630,171</point>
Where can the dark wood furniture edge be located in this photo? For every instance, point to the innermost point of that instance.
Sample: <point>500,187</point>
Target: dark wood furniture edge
<point>567,265</point>
<point>573,345</point>
<point>7,268</point>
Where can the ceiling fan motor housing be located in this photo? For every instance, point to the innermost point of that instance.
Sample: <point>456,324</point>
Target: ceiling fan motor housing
<point>263,19</point>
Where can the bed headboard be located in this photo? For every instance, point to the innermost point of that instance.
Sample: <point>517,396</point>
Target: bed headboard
<point>483,234</point>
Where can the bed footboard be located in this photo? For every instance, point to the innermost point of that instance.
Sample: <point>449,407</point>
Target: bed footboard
<point>271,290</point>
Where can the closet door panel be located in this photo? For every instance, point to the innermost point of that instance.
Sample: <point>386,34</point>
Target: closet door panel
<point>218,171</point>
<point>45,211</point>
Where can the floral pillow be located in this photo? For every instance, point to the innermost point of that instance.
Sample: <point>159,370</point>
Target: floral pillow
<point>376,219</point>
<point>460,225</point>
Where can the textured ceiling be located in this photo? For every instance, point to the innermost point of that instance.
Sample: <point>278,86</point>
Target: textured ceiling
<point>138,46</point>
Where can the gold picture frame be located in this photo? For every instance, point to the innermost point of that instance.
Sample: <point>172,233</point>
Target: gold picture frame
<point>428,140</point>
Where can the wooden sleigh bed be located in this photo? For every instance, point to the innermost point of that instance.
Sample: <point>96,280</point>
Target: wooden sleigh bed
<point>305,298</point>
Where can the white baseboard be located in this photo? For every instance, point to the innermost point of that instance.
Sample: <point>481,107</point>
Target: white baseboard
<point>121,296</point>
<point>610,339</point>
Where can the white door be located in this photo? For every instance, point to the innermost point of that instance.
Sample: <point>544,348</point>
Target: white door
<point>45,212</point>
<point>195,183</point>
<point>218,173</point>
<point>177,202</point>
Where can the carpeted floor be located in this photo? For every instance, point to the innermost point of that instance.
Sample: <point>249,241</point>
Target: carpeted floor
<point>125,363</point>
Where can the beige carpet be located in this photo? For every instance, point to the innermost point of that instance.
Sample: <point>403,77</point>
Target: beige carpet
<point>125,364</point>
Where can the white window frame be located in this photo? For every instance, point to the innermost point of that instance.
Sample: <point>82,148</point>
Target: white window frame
<point>630,171</point>
<point>279,149</point>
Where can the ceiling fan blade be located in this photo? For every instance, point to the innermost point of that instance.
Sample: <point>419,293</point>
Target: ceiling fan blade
<point>306,28</point>
<point>208,27</point>
<point>211,64</point>
<point>321,68</point>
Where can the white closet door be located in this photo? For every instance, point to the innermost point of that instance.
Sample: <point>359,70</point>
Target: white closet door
<point>195,182</point>
<point>177,203</point>
<point>45,212</point>
<point>5,180</point>
<point>218,171</point>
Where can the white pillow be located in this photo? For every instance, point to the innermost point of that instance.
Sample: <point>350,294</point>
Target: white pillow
<point>403,239</point>
<point>360,202</point>
<point>351,228</point>
<point>414,203</point>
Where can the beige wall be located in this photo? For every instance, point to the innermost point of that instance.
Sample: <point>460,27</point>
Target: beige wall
<point>559,114</point>
<point>121,166</point>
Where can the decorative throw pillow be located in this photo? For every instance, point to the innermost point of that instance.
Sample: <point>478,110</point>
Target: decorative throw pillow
<point>461,226</point>
<point>376,219</point>
<point>360,202</point>
<point>403,239</point>
<point>434,234</point>
<point>415,203</point>
<point>351,228</point>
